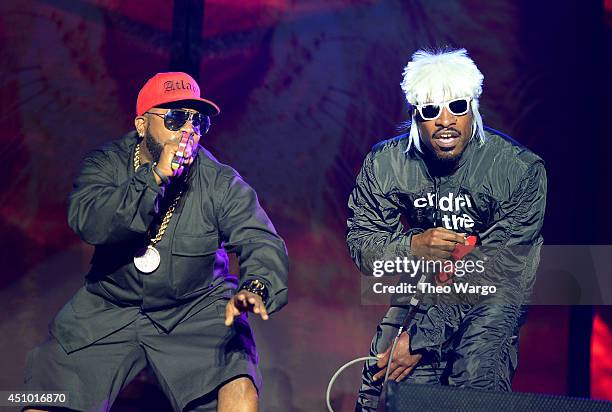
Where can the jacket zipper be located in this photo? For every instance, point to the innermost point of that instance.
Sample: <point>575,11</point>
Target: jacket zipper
<point>436,200</point>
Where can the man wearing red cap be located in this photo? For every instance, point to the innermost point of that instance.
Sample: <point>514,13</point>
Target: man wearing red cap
<point>162,213</point>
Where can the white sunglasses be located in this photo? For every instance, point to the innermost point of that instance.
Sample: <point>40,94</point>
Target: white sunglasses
<point>457,107</point>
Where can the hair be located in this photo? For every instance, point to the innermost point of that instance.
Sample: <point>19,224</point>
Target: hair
<point>441,75</point>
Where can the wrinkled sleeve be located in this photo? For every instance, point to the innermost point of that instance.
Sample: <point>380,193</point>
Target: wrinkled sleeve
<point>374,228</point>
<point>513,245</point>
<point>435,327</point>
<point>511,250</point>
<point>247,231</point>
<point>102,211</point>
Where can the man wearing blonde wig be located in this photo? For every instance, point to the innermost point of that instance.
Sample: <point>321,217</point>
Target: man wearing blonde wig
<point>453,181</point>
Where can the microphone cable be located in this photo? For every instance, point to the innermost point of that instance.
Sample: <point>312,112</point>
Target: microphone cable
<point>472,240</point>
<point>414,304</point>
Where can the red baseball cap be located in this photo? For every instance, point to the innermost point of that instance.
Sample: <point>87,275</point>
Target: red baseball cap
<point>173,87</point>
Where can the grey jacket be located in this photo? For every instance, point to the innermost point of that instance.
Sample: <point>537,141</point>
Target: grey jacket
<point>498,192</point>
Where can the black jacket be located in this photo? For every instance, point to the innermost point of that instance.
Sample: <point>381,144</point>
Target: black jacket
<point>498,191</point>
<point>112,207</point>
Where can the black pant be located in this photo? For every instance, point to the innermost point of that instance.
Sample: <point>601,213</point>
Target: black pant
<point>481,352</point>
<point>190,362</point>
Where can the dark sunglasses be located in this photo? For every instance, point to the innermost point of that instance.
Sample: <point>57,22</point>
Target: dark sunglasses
<point>457,107</point>
<point>174,119</point>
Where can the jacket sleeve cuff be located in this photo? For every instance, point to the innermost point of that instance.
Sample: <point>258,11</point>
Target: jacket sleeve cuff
<point>435,328</point>
<point>407,246</point>
<point>277,298</point>
<point>400,247</point>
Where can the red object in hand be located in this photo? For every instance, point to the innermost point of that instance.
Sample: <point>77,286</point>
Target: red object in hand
<point>460,251</point>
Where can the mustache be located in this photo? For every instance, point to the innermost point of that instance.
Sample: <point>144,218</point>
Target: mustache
<point>446,130</point>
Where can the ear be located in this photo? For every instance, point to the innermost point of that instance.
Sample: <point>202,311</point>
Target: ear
<point>140,122</point>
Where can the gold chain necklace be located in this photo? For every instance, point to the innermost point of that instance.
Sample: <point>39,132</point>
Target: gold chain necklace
<point>148,259</point>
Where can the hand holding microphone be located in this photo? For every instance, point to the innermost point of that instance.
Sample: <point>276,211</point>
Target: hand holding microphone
<point>436,243</point>
<point>177,155</point>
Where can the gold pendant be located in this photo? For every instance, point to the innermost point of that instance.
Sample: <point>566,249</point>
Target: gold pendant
<point>147,259</point>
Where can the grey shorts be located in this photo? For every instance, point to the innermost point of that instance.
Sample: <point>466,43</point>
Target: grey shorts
<point>191,362</point>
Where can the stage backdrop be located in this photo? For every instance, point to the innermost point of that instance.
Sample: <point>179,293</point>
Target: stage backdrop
<point>306,88</point>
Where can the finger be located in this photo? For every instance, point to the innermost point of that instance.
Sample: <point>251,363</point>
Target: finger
<point>238,305</point>
<point>382,362</point>
<point>192,141</point>
<point>254,303</point>
<point>380,374</point>
<point>180,156</point>
<point>182,148</point>
<point>241,301</point>
<point>445,234</point>
<point>395,373</point>
<point>189,156</point>
<point>438,254</point>
<point>263,311</point>
<point>178,171</point>
<point>195,138</point>
<point>404,374</point>
<point>177,162</point>
<point>234,311</point>
<point>390,368</point>
<point>462,239</point>
<point>229,313</point>
<point>179,145</point>
<point>193,144</point>
<point>443,245</point>
<point>184,138</point>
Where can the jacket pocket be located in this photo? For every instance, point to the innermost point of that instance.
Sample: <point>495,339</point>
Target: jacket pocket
<point>193,261</point>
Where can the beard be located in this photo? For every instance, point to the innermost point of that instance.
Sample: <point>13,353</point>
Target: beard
<point>441,165</point>
<point>155,148</point>
<point>447,159</point>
